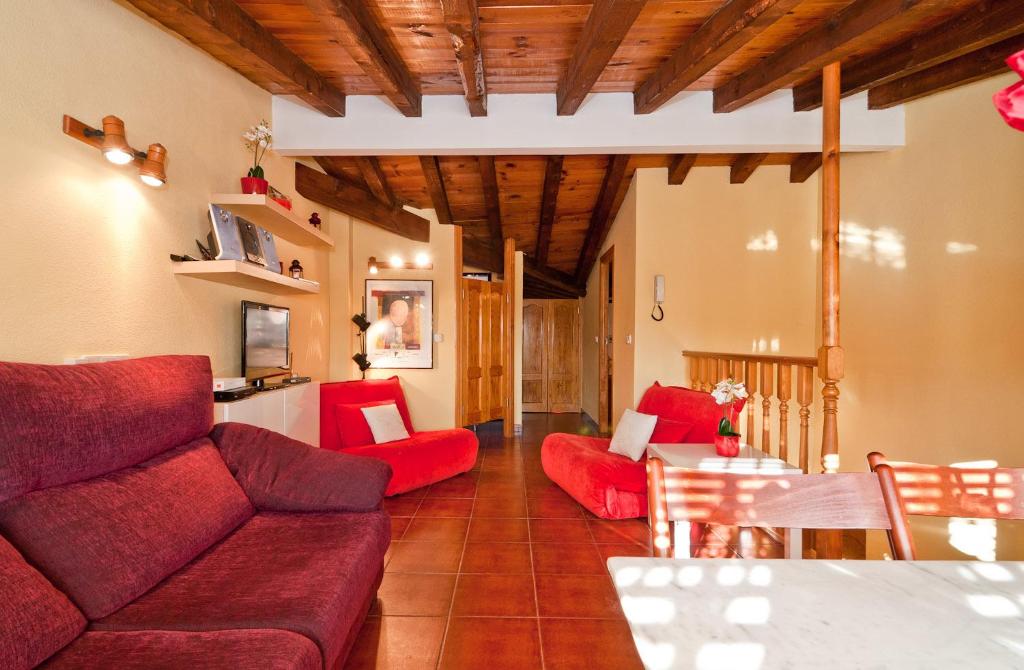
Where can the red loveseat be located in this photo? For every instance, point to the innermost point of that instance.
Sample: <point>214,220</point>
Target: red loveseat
<point>613,486</point>
<point>426,457</point>
<point>135,534</point>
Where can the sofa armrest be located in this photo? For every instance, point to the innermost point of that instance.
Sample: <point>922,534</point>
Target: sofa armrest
<point>284,475</point>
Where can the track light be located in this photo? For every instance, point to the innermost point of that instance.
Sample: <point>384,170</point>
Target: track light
<point>362,361</point>
<point>372,265</point>
<point>361,322</point>
<point>152,170</point>
<point>115,146</point>
<point>396,262</point>
<point>422,260</point>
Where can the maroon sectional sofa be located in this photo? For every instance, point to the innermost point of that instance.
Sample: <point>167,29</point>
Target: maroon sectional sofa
<point>135,534</point>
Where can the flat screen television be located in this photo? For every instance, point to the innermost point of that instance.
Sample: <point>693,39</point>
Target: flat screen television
<point>264,341</point>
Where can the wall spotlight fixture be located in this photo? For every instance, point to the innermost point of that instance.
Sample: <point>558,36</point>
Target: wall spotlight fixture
<point>361,322</point>
<point>362,361</point>
<point>396,263</point>
<point>114,145</point>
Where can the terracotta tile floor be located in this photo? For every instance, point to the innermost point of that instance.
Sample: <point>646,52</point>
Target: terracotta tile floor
<point>498,568</point>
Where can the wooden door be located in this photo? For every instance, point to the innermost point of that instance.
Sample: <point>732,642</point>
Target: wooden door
<point>551,356</point>
<point>472,346</point>
<point>535,389</point>
<point>563,352</point>
<point>492,399</point>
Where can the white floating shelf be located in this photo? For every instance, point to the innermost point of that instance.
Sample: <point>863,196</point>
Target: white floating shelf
<point>264,211</point>
<point>244,275</point>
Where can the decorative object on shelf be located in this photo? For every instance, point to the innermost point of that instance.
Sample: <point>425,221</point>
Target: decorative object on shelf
<point>401,316</point>
<point>114,145</point>
<point>257,140</point>
<point>295,270</point>
<point>204,251</point>
<point>279,198</point>
<point>1010,101</point>
<point>314,220</point>
<point>395,262</point>
<point>235,238</point>
<point>728,393</point>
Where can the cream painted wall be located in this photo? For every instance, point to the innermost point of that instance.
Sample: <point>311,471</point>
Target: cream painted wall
<point>622,236</point>
<point>430,393</point>
<point>86,244</point>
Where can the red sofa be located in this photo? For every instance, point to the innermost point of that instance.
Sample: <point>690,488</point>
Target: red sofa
<point>613,486</point>
<point>426,457</point>
<point>135,534</point>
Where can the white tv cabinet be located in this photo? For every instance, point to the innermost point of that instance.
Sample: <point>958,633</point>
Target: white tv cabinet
<point>293,411</point>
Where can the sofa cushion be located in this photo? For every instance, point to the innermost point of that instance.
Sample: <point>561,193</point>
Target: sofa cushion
<point>683,404</point>
<point>352,426</point>
<point>174,650</point>
<point>424,458</point>
<point>36,619</point>
<point>117,414</point>
<point>609,485</point>
<point>106,541</point>
<point>354,393</point>
<point>670,431</point>
<point>307,573</point>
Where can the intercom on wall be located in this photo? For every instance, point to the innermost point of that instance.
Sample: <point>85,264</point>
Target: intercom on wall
<point>659,297</point>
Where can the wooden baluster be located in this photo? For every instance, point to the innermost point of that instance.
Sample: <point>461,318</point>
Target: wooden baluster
<point>767,370</point>
<point>705,363</point>
<point>804,395</point>
<point>736,369</point>
<point>723,369</point>
<point>750,377</point>
<point>784,393</point>
<point>694,373</point>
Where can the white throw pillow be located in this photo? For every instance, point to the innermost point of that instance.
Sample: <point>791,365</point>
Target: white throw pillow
<point>632,434</point>
<point>385,423</point>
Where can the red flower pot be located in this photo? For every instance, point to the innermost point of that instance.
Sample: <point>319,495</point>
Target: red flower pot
<point>255,185</point>
<point>727,446</point>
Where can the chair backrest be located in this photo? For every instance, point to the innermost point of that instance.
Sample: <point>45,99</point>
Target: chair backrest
<point>947,491</point>
<point>359,392</point>
<point>825,501</point>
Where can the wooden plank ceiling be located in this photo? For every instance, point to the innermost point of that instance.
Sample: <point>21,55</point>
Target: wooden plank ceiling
<point>558,208</point>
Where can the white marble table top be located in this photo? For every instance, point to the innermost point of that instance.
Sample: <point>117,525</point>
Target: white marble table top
<point>703,457</point>
<point>719,614</point>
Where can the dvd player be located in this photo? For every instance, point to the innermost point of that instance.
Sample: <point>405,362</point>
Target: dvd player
<point>229,395</point>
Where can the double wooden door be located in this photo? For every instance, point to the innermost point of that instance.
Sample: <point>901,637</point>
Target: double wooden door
<point>482,347</point>
<point>551,355</point>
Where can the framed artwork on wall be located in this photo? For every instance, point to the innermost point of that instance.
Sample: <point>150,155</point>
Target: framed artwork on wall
<point>401,315</point>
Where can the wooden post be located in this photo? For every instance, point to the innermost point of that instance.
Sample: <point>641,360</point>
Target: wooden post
<point>784,392</point>
<point>460,410</point>
<point>830,354</point>
<point>804,397</point>
<point>767,372</point>
<point>509,339</point>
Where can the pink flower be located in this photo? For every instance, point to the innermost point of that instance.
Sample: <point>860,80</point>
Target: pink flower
<point>1010,100</point>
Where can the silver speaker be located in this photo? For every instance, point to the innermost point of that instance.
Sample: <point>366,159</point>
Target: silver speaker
<point>225,240</point>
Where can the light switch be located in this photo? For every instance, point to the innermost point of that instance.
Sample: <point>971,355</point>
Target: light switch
<point>629,339</point>
<point>439,337</point>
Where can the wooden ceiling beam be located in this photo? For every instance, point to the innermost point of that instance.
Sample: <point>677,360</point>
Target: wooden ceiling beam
<point>371,48</point>
<point>482,255</point>
<point>803,166</point>
<point>680,167</point>
<point>602,217</point>
<point>462,19</point>
<point>553,279</point>
<point>492,201</point>
<point>971,67</point>
<point>435,187</point>
<point>349,198</point>
<point>549,199</point>
<point>744,166</point>
<point>606,26</point>
<point>989,22</point>
<point>225,31</point>
<point>375,180</point>
<point>827,43</point>
<point>723,34</point>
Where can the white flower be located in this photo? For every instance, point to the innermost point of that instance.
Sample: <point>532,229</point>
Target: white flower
<point>263,143</point>
<point>728,391</point>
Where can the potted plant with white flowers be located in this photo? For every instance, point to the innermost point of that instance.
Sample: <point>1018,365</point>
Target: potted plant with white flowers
<point>731,395</point>
<point>257,140</point>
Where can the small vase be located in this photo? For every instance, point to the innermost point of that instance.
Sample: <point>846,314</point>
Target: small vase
<point>254,185</point>
<point>727,446</point>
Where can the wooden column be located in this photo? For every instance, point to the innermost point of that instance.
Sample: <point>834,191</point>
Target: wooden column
<point>830,354</point>
<point>460,411</point>
<point>509,281</point>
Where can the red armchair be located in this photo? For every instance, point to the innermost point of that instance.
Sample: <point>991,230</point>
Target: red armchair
<point>134,536</point>
<point>426,457</point>
<point>613,486</point>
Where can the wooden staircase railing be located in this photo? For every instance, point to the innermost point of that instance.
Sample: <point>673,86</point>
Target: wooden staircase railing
<point>767,378</point>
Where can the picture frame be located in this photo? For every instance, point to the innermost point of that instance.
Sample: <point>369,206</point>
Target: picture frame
<point>401,332</point>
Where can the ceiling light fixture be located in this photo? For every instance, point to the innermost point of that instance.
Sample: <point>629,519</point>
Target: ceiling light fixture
<point>111,141</point>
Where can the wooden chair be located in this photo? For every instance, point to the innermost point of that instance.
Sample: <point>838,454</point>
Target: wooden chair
<point>945,491</point>
<point>815,501</point>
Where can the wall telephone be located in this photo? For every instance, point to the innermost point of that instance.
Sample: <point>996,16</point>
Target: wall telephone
<point>658,313</point>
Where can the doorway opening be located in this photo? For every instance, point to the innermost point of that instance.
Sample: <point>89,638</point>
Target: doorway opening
<point>606,316</point>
